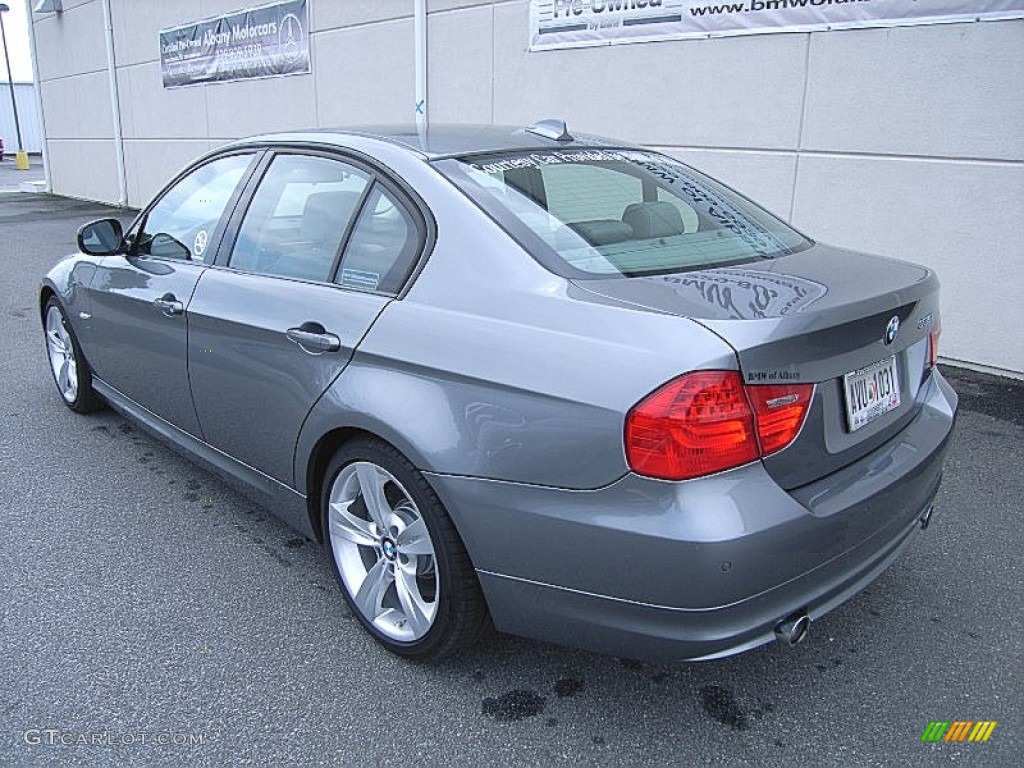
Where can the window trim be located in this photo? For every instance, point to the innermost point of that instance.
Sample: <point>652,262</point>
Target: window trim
<point>217,236</point>
<point>404,194</point>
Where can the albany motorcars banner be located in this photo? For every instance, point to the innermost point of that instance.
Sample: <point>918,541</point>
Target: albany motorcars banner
<point>259,42</point>
<point>573,23</point>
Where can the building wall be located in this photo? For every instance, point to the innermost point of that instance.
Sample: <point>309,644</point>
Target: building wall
<point>28,118</point>
<point>906,141</point>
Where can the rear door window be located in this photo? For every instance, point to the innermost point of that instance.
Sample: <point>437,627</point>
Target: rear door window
<point>383,247</point>
<point>298,217</point>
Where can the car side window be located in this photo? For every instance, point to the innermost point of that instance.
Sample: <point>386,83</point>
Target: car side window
<point>383,247</point>
<point>297,218</point>
<point>182,222</point>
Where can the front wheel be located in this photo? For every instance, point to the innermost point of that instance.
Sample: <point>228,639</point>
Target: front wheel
<point>70,371</point>
<point>402,566</point>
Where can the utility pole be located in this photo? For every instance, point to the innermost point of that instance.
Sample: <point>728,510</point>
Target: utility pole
<point>21,158</point>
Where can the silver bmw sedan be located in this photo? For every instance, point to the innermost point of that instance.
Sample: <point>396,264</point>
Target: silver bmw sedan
<point>553,382</point>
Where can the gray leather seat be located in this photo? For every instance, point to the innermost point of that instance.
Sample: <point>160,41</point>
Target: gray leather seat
<point>648,220</point>
<point>603,231</point>
<point>324,218</point>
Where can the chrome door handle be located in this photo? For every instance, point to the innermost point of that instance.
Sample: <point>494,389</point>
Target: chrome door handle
<point>313,338</point>
<point>169,305</point>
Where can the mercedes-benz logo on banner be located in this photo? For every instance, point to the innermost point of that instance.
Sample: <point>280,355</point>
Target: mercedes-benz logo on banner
<point>289,37</point>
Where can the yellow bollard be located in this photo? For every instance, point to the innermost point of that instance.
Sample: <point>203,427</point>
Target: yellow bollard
<point>21,161</point>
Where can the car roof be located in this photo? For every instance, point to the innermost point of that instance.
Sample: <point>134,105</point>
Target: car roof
<point>438,140</point>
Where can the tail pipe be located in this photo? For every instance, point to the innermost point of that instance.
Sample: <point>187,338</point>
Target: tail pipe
<point>793,629</point>
<point>926,517</point>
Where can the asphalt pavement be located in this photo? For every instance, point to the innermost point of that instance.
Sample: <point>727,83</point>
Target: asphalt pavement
<point>11,178</point>
<point>143,601</point>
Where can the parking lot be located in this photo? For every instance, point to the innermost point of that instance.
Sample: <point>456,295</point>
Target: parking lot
<point>141,596</point>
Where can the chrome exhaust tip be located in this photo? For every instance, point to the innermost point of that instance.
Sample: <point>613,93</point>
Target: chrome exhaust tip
<point>793,629</point>
<point>926,518</point>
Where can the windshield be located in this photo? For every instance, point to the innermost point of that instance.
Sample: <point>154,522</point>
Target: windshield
<point>607,212</point>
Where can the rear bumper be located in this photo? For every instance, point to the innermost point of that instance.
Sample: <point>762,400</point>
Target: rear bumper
<point>698,569</point>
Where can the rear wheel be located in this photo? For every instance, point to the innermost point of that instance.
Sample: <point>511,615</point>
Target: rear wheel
<point>402,566</point>
<point>70,371</point>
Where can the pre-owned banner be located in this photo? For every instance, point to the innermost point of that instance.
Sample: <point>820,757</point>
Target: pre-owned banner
<point>572,23</point>
<point>260,42</point>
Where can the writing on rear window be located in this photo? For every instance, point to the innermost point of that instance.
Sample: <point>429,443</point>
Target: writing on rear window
<point>606,212</point>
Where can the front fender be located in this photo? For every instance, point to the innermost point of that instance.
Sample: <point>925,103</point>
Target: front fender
<point>69,279</point>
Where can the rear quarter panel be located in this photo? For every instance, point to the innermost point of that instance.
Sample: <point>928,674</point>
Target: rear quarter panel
<point>490,366</point>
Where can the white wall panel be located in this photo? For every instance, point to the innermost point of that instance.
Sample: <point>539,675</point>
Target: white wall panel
<point>149,165</point>
<point>949,90</point>
<point>247,107</point>
<point>148,111</point>
<point>343,13</point>
<point>137,26</point>
<point>365,75</point>
<point>78,107</point>
<point>83,168</point>
<point>71,42</point>
<point>459,53</point>
<point>962,219</point>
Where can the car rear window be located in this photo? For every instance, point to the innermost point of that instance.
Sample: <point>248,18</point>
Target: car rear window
<point>605,212</point>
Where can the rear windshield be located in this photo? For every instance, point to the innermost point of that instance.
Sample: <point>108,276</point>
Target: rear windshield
<point>607,212</point>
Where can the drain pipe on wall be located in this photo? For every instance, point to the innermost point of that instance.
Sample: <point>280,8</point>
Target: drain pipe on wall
<point>39,97</point>
<point>115,107</point>
<point>420,33</point>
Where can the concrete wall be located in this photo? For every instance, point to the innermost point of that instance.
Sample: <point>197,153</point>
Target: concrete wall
<point>905,141</point>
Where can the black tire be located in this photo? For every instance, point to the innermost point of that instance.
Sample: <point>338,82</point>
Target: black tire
<point>461,610</point>
<point>86,400</point>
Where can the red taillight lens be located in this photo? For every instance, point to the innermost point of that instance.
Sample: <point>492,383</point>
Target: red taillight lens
<point>708,421</point>
<point>933,343</point>
<point>695,425</point>
<point>780,412</point>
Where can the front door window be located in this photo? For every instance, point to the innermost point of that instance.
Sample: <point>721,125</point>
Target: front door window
<point>181,225</point>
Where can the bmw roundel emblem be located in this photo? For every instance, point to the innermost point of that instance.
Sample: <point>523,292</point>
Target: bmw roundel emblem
<point>892,330</point>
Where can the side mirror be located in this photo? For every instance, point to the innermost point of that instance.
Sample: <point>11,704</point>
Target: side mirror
<point>101,238</point>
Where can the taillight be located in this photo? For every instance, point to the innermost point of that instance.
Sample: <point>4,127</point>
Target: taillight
<point>708,421</point>
<point>933,342</point>
<point>779,411</point>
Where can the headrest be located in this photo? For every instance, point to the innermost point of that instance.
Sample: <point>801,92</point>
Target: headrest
<point>325,214</point>
<point>653,220</point>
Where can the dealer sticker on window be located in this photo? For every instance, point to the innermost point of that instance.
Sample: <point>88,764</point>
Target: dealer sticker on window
<point>870,392</point>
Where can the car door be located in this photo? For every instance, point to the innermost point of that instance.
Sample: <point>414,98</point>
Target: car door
<point>138,300</point>
<point>279,316</point>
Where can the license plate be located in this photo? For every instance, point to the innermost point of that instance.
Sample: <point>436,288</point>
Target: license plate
<point>870,392</point>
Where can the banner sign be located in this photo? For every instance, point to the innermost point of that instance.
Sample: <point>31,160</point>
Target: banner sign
<point>574,23</point>
<point>261,42</point>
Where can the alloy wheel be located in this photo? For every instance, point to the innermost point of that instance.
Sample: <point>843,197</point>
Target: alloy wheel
<point>383,551</point>
<point>62,355</point>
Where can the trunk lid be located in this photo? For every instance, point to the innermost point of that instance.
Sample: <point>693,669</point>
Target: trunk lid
<point>809,317</point>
